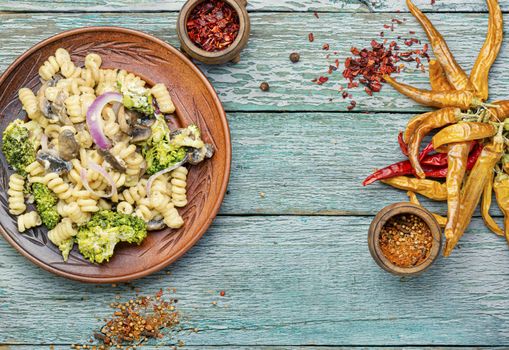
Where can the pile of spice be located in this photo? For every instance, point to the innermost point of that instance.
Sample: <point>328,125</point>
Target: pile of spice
<point>135,321</point>
<point>213,25</point>
<point>406,240</point>
<point>367,66</point>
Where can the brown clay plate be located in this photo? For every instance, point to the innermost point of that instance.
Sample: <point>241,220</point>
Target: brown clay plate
<point>195,101</point>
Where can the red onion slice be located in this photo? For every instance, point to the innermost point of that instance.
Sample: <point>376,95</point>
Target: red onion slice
<point>95,121</point>
<point>164,171</point>
<point>44,142</point>
<point>93,166</point>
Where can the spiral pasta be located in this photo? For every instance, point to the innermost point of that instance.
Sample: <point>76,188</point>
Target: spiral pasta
<point>56,184</point>
<point>29,102</point>
<point>134,194</point>
<point>74,109</point>
<point>87,180</point>
<point>49,68</point>
<point>16,199</point>
<point>35,169</point>
<point>28,221</point>
<point>171,217</point>
<point>73,212</point>
<point>178,188</point>
<point>125,208</point>
<point>163,98</point>
<point>62,232</point>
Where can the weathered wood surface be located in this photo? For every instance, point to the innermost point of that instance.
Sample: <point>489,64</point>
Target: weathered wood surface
<point>313,163</point>
<point>273,37</point>
<point>254,5</point>
<point>293,261</point>
<point>288,281</point>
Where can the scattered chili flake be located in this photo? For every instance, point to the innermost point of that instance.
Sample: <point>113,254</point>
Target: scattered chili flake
<point>352,105</point>
<point>321,80</point>
<point>264,86</point>
<point>411,32</point>
<point>222,293</point>
<point>344,94</point>
<point>316,14</point>
<point>311,37</point>
<point>406,240</point>
<point>213,25</point>
<point>432,2</point>
<point>294,57</point>
<point>325,46</point>
<point>136,321</point>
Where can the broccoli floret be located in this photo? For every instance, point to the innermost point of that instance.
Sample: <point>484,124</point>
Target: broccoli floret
<point>188,137</point>
<point>162,155</point>
<point>97,238</point>
<point>159,152</point>
<point>66,247</point>
<point>137,98</point>
<point>19,151</point>
<point>45,204</point>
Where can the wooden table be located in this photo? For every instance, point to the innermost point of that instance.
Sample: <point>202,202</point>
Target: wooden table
<point>289,246</point>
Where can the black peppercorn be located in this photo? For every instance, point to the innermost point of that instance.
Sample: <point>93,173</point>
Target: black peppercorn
<point>294,57</point>
<point>264,86</point>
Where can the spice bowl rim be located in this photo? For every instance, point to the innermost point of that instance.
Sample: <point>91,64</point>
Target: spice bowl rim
<point>398,209</point>
<point>237,5</point>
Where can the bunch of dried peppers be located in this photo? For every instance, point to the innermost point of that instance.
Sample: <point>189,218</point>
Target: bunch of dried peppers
<point>468,151</point>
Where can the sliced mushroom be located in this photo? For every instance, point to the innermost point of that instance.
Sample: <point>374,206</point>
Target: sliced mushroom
<point>58,109</point>
<point>140,133</point>
<point>112,160</point>
<point>68,147</point>
<point>53,163</point>
<point>197,155</point>
<point>154,225</point>
<point>43,103</point>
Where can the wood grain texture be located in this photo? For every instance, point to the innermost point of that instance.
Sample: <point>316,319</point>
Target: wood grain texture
<point>313,163</point>
<point>254,5</point>
<point>288,281</point>
<point>274,36</point>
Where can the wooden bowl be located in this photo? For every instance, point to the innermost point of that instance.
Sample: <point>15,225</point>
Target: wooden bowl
<point>381,219</point>
<point>195,101</point>
<point>232,52</point>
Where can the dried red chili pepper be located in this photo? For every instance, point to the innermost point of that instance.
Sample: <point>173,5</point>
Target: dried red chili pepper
<point>213,25</point>
<point>402,145</point>
<point>405,167</point>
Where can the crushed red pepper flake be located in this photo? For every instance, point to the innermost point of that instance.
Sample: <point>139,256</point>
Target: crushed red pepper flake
<point>213,25</point>
<point>136,321</point>
<point>316,14</point>
<point>311,37</point>
<point>325,46</point>
<point>406,240</point>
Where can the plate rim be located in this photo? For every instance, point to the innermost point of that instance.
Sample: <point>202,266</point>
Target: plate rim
<point>228,157</point>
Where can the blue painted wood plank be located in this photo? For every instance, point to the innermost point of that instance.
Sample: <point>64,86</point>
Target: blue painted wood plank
<point>288,281</point>
<point>254,5</point>
<point>274,37</point>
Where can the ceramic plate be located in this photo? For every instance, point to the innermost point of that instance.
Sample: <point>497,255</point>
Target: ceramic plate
<point>195,101</point>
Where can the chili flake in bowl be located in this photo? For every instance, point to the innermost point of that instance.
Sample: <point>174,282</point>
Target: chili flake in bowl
<point>404,239</point>
<point>213,31</point>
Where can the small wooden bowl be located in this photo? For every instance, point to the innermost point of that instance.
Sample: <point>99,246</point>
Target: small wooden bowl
<point>381,219</point>
<point>232,52</point>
